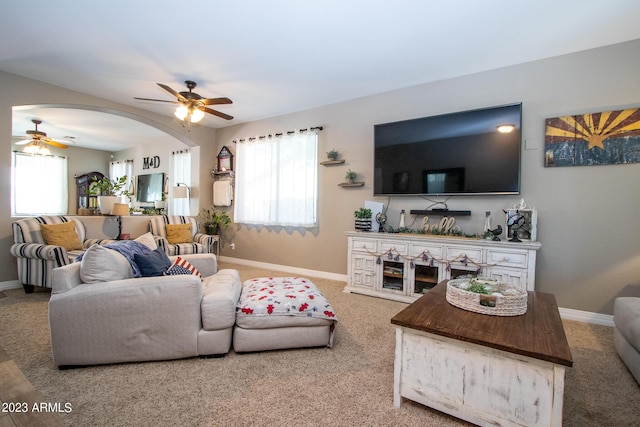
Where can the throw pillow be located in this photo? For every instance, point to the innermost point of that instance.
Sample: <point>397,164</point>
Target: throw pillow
<point>100,264</point>
<point>63,234</point>
<point>179,233</point>
<point>152,263</point>
<point>182,266</point>
<point>147,240</point>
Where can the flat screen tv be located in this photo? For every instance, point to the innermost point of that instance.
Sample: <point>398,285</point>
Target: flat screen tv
<point>149,187</point>
<point>462,153</point>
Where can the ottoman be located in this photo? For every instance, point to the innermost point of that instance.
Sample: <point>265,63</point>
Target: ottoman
<point>276,313</point>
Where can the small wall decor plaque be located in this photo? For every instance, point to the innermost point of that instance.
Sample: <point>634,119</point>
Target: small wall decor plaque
<point>611,137</point>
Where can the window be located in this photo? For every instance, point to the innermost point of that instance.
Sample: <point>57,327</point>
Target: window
<point>180,173</point>
<point>39,185</point>
<point>121,168</point>
<point>277,180</point>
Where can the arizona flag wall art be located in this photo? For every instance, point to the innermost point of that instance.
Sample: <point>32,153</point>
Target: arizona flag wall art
<point>607,138</point>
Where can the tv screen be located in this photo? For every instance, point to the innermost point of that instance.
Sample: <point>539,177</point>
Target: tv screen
<point>462,153</point>
<point>149,187</point>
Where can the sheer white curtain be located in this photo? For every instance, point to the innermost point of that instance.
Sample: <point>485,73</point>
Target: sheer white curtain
<point>120,168</point>
<point>40,185</point>
<point>180,172</point>
<point>277,180</point>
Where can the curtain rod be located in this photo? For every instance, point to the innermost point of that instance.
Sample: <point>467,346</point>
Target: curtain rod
<point>253,138</point>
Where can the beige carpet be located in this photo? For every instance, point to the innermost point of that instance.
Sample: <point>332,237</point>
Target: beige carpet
<point>348,385</point>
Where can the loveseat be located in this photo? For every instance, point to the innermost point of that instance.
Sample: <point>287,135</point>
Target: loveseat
<point>626,332</point>
<point>143,318</point>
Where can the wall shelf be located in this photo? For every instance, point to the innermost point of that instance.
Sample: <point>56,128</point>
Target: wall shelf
<point>351,184</point>
<point>443,212</point>
<point>332,162</point>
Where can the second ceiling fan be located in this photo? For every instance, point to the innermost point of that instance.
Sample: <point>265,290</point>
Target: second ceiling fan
<point>192,104</point>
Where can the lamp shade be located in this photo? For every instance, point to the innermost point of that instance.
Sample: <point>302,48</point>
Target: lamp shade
<point>179,192</point>
<point>120,209</point>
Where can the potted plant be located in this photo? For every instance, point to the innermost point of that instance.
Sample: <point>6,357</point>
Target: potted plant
<point>214,220</point>
<point>109,191</point>
<point>350,176</point>
<point>332,154</point>
<point>363,219</point>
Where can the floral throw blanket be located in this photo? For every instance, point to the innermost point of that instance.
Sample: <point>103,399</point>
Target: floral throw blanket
<point>284,296</point>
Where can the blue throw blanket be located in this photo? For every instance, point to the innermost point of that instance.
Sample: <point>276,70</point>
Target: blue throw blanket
<point>128,248</point>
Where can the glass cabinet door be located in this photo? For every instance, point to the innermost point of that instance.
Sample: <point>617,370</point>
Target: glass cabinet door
<point>425,278</point>
<point>393,275</point>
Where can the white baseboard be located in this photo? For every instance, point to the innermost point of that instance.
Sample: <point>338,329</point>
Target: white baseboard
<point>565,313</point>
<point>10,284</point>
<point>586,316</point>
<point>286,268</point>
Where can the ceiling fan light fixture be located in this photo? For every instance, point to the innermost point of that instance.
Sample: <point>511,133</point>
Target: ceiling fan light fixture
<point>32,148</point>
<point>196,115</point>
<point>38,148</point>
<point>181,112</point>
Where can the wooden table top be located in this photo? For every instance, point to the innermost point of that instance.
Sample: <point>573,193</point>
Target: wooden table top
<point>538,333</point>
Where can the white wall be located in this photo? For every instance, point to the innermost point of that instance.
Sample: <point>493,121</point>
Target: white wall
<point>587,223</point>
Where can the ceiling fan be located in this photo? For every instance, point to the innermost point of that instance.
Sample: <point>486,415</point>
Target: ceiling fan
<point>38,138</point>
<point>192,104</point>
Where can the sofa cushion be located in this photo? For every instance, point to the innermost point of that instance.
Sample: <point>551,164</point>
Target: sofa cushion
<point>100,264</point>
<point>63,234</point>
<point>182,266</point>
<point>179,233</point>
<point>154,263</point>
<point>147,240</point>
<point>626,316</point>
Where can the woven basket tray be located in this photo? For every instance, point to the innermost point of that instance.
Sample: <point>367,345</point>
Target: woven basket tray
<point>505,301</point>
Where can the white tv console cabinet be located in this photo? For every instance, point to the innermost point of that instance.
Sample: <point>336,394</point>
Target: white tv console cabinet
<point>403,267</point>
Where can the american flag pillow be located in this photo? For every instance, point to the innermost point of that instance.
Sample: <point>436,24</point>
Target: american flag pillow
<point>182,266</point>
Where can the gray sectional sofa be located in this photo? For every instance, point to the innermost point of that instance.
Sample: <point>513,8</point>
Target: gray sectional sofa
<point>626,316</point>
<point>144,318</point>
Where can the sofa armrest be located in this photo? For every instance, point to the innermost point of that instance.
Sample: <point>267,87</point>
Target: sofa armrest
<point>161,242</point>
<point>40,251</point>
<point>221,293</point>
<point>65,278</point>
<point>206,264</point>
<point>206,239</point>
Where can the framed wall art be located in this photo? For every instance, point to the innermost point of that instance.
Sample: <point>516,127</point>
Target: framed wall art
<point>606,138</point>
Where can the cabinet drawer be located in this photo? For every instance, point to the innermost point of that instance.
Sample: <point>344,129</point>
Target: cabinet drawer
<point>473,254</point>
<point>507,258</point>
<point>431,251</point>
<point>394,247</point>
<point>364,245</point>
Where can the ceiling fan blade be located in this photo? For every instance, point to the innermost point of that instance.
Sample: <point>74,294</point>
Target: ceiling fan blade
<point>23,142</point>
<point>172,92</point>
<point>155,100</point>
<point>53,143</point>
<point>215,101</point>
<point>217,113</point>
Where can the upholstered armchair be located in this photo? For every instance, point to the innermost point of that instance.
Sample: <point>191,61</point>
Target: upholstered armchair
<point>36,258</point>
<point>180,235</point>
